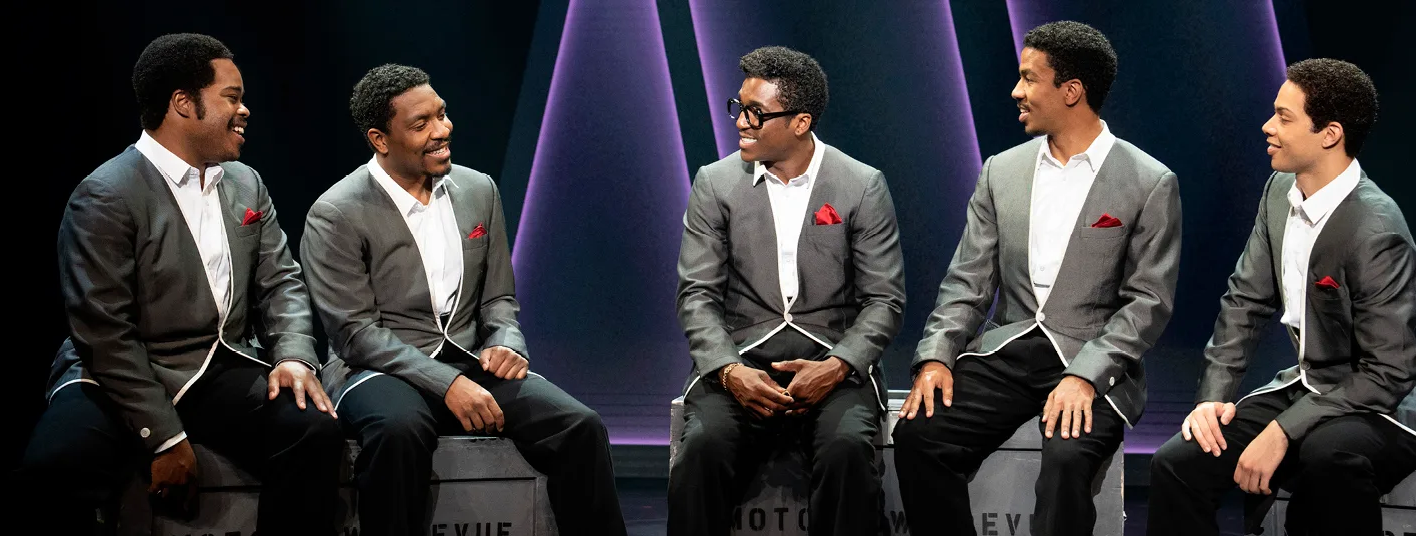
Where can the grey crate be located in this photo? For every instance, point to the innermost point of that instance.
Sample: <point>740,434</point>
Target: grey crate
<point>1001,492</point>
<point>480,486</point>
<point>1398,511</point>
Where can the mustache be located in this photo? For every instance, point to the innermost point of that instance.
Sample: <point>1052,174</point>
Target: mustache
<point>444,142</point>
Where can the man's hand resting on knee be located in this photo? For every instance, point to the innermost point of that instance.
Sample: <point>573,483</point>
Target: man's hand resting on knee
<point>932,375</point>
<point>474,406</point>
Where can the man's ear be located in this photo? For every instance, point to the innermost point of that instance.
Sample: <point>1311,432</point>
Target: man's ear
<point>1333,135</point>
<point>378,140</point>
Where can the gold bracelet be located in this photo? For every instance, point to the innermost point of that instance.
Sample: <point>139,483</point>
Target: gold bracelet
<point>723,373</point>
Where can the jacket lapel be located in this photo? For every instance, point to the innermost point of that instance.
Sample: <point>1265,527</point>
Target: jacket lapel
<point>233,213</point>
<point>1013,210</point>
<point>1334,235</point>
<point>385,214</point>
<point>823,190</point>
<point>466,223</point>
<point>763,245</point>
<point>1098,197</point>
<point>188,257</point>
<point>1278,209</point>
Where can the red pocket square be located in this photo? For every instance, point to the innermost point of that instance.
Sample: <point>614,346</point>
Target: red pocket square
<point>252,216</point>
<point>1326,282</point>
<point>477,232</point>
<point>827,215</point>
<point>1106,221</point>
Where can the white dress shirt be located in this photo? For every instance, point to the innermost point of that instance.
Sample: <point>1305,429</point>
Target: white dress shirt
<point>789,207</point>
<point>1306,218</point>
<point>434,229</point>
<point>201,207</point>
<point>1059,191</point>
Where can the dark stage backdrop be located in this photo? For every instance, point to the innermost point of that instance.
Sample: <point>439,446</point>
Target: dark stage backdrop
<point>594,114</point>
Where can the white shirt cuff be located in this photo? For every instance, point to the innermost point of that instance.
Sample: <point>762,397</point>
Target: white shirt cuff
<point>171,442</point>
<point>300,361</point>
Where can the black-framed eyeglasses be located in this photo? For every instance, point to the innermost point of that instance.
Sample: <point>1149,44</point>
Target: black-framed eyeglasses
<point>755,116</point>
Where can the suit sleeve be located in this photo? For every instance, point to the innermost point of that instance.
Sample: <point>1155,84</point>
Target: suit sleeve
<point>499,307</point>
<point>968,287</point>
<point>1384,327</point>
<point>333,252</point>
<point>287,331</point>
<point>1244,311</point>
<point>97,278</point>
<point>703,279</point>
<point>879,280</point>
<point>1147,291</point>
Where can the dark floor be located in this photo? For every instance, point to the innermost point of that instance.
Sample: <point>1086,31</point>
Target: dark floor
<point>645,507</point>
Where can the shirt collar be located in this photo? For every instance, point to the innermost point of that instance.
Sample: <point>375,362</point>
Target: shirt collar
<point>1094,156</point>
<point>406,203</point>
<point>173,167</point>
<point>759,171</point>
<point>1323,201</point>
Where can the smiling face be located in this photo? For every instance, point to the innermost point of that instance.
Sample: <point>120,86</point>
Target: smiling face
<point>217,129</point>
<point>419,136</point>
<point>1040,100</point>
<point>1293,146</point>
<point>777,136</point>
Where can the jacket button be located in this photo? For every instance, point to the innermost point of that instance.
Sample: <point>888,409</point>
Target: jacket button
<point>788,316</point>
<point>1111,381</point>
<point>145,433</point>
<point>1041,316</point>
<point>1304,365</point>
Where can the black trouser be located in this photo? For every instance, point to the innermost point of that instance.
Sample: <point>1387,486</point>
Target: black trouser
<point>724,445</point>
<point>398,427</point>
<point>1337,472</point>
<point>81,452</point>
<point>994,395</point>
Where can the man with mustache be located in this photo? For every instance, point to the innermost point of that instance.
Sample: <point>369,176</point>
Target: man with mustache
<point>791,285</point>
<point>410,271</point>
<point>188,321</point>
<point>1077,233</point>
<point>1332,252</point>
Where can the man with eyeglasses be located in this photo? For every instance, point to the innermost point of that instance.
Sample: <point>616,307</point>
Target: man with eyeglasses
<point>791,284</point>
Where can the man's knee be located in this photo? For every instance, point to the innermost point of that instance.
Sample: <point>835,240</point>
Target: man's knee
<point>586,422</point>
<point>1178,457</point>
<point>845,450</point>
<point>1330,457</point>
<point>703,449</point>
<point>413,430</point>
<point>1069,457</point>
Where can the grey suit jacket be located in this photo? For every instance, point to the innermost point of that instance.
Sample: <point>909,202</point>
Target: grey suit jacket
<point>367,282</point>
<point>851,274</point>
<point>1114,292</point>
<point>142,320</point>
<point>1358,346</point>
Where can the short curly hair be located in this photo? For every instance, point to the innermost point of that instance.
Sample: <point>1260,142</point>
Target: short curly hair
<point>1077,51</point>
<point>1337,92</point>
<point>170,63</point>
<point>372,103</point>
<point>801,84</point>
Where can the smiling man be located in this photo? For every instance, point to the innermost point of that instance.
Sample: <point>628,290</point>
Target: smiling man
<point>1332,252</point>
<point>410,271</point>
<point>1077,234</point>
<point>188,321</point>
<point>791,285</point>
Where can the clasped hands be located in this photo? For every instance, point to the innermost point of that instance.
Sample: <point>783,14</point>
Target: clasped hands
<point>764,397</point>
